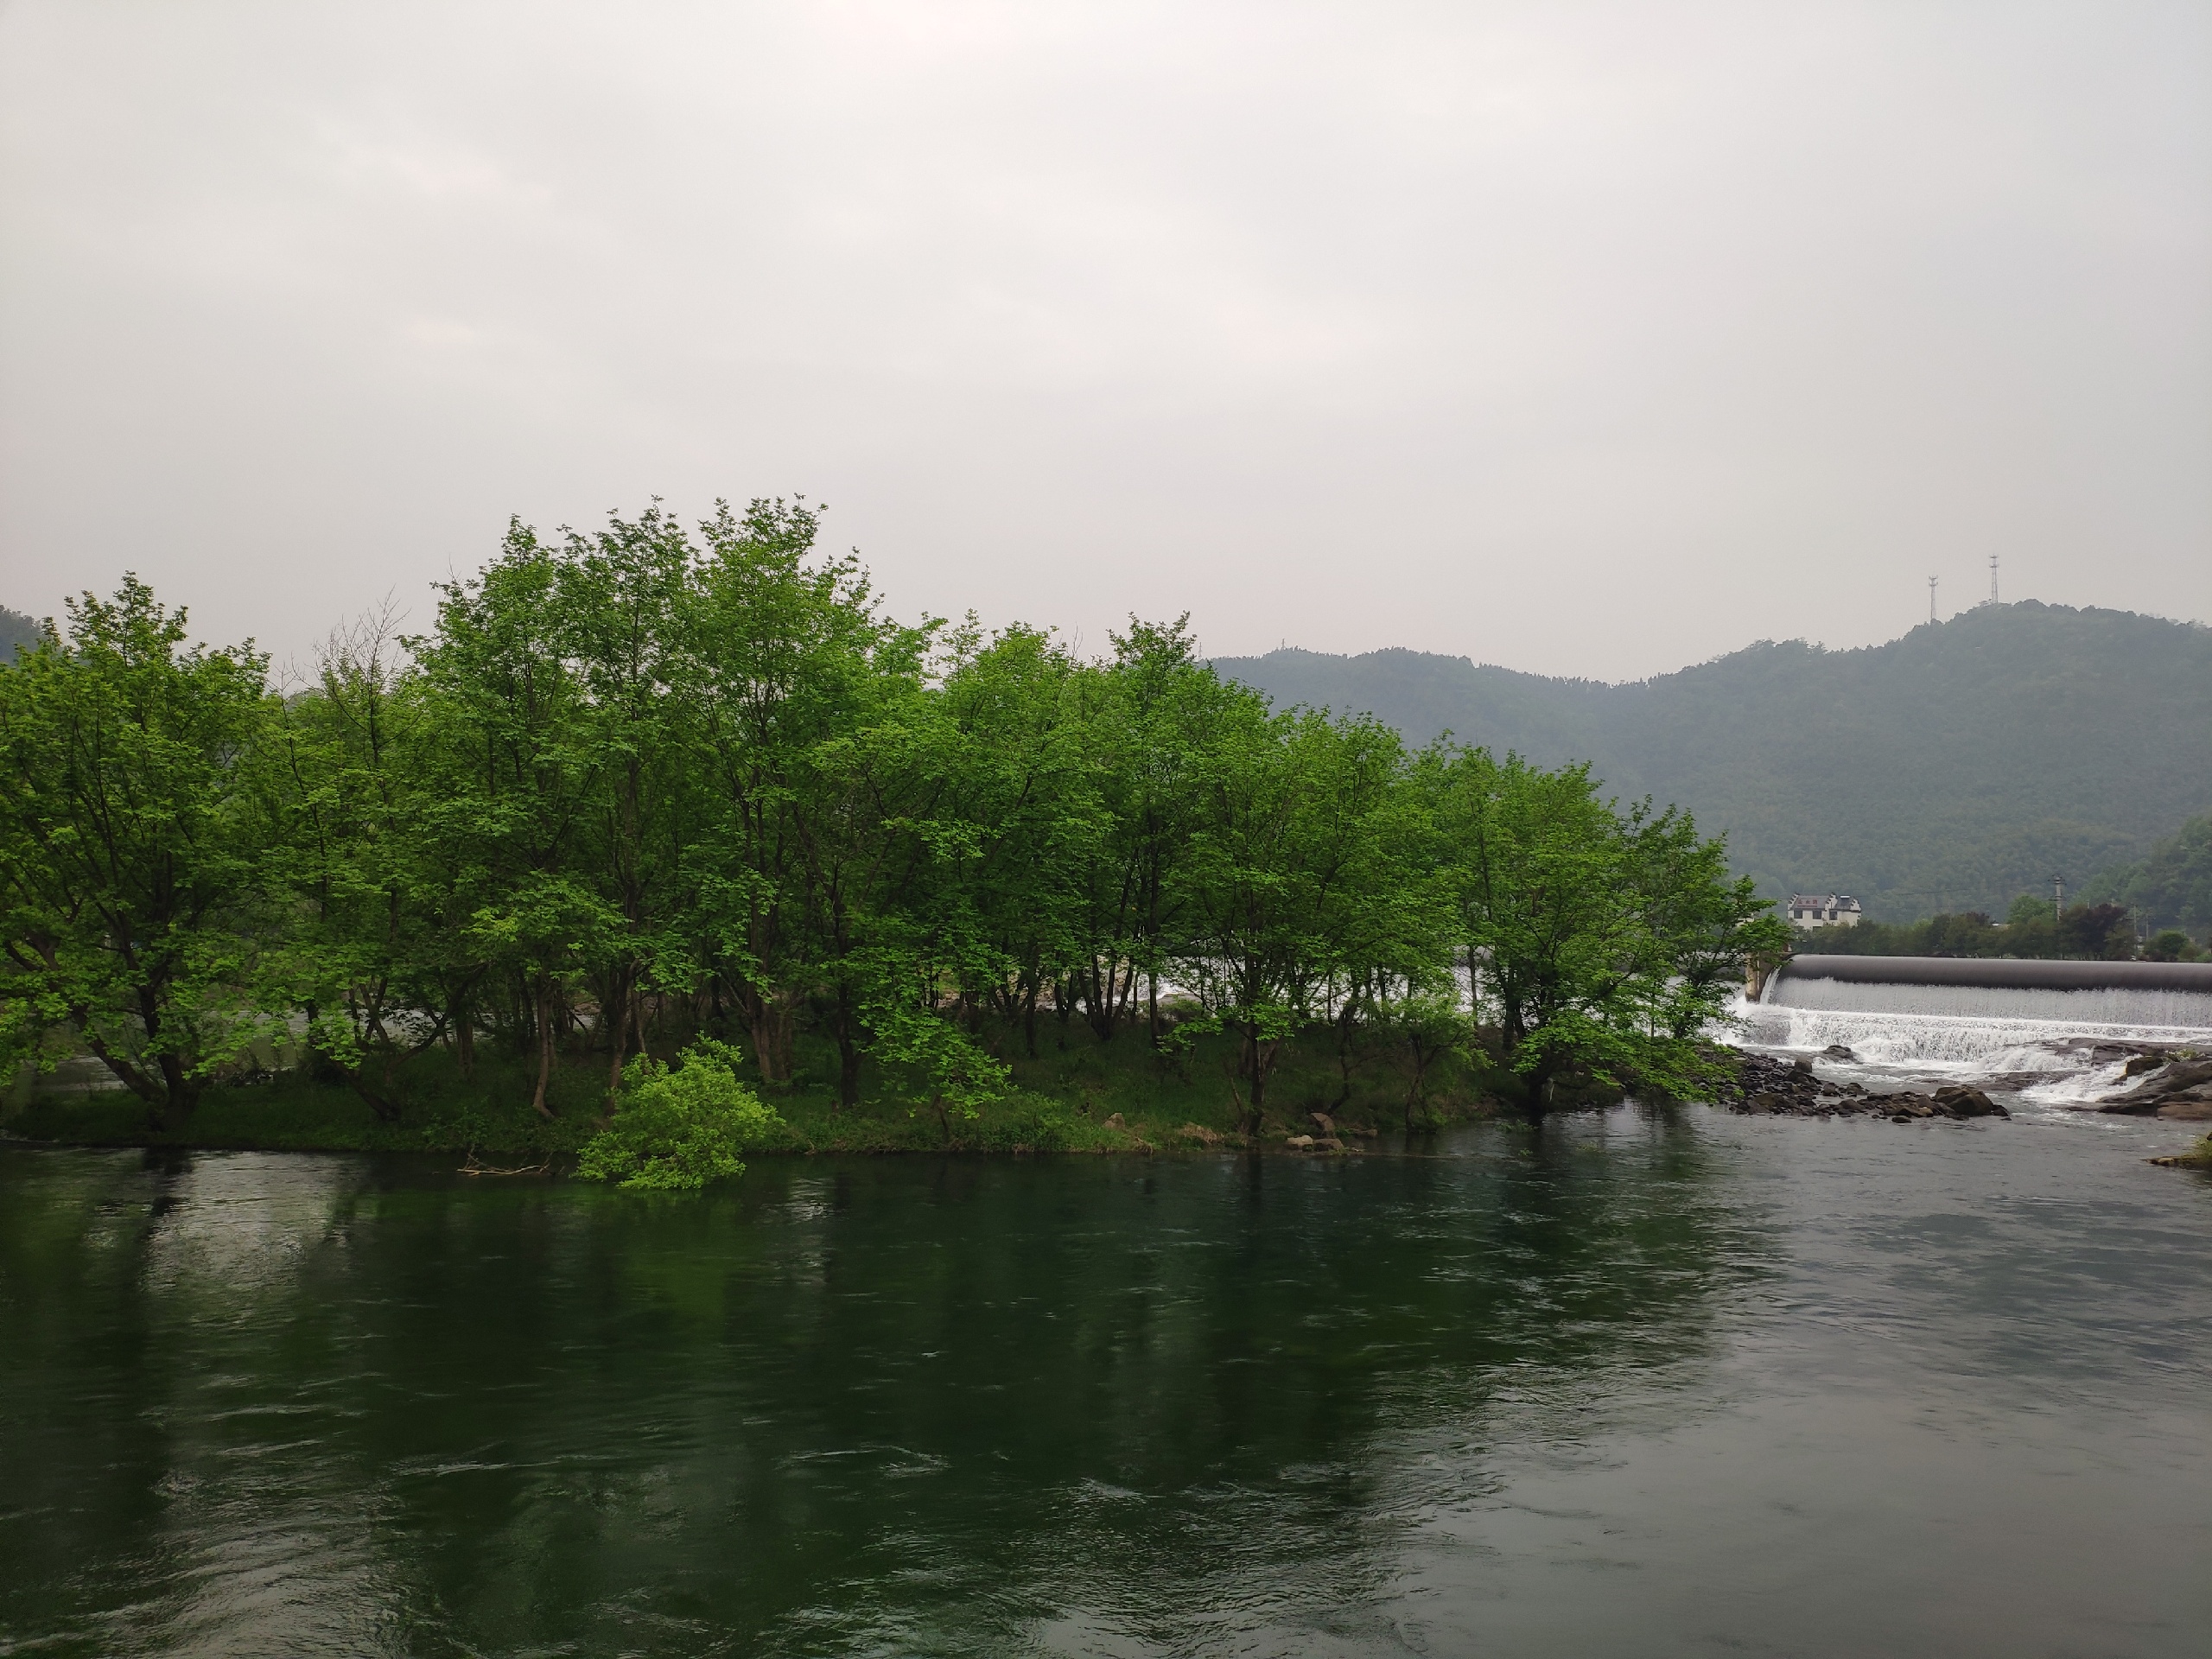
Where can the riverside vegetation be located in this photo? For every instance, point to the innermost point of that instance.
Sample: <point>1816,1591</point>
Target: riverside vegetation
<point>652,806</point>
<point>2034,928</point>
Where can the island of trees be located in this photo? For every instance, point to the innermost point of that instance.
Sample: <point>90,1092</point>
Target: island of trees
<point>657,792</point>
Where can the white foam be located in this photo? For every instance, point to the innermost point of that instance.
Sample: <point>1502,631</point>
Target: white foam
<point>2079,1088</point>
<point>1899,1043</point>
<point>1988,1044</point>
<point>2103,1008</point>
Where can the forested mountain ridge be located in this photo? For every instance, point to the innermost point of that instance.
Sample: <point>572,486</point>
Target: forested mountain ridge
<point>2170,888</point>
<point>1953,768</point>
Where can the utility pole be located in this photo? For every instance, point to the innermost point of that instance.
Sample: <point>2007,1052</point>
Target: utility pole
<point>2058,899</point>
<point>1931,598</point>
<point>1992,578</point>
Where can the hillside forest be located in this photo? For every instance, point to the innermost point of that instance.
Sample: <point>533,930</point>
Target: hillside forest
<point>1949,771</point>
<point>654,791</point>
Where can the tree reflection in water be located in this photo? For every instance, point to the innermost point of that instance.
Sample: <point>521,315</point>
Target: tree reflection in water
<point>258,1404</point>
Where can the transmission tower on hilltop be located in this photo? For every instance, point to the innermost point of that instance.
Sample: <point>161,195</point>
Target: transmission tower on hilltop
<point>1931,598</point>
<point>1992,578</point>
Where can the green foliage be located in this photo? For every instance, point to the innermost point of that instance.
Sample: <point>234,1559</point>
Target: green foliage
<point>1425,1030</point>
<point>132,913</point>
<point>1603,940</point>
<point>1068,1092</point>
<point>651,784</point>
<point>677,1130</point>
<point>1942,772</point>
<point>2169,945</point>
<point>1032,1123</point>
<point>1305,876</point>
<point>2171,886</point>
<point>2081,933</point>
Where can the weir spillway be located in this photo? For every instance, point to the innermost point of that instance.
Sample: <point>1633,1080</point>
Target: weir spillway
<point>1977,1014</point>
<point>2174,995</point>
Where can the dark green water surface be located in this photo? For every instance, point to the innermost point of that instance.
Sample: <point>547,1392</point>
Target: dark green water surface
<point>1637,1386</point>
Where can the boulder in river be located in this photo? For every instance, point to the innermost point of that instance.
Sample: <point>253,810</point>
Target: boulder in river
<point>1958,1101</point>
<point>1953,1100</point>
<point>2177,1081</point>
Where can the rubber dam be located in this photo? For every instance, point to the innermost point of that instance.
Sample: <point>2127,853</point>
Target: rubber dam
<point>2069,1019</point>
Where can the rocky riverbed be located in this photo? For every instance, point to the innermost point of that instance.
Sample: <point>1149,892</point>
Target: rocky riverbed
<point>1770,1087</point>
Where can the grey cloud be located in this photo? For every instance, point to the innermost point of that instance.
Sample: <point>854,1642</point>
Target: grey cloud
<point>1584,338</point>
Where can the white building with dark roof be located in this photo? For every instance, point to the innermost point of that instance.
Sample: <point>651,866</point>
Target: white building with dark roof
<point>1829,910</point>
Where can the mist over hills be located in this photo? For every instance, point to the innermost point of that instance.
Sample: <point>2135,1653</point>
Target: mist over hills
<point>1953,768</point>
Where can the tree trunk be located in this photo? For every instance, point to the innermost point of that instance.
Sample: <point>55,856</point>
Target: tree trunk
<point>1537,1087</point>
<point>848,1051</point>
<point>181,1093</point>
<point>1259,1060</point>
<point>1098,997</point>
<point>770,1019</point>
<point>546,1037</point>
<point>618,1047</point>
<point>1347,1028</point>
<point>386,1109</point>
<point>127,1074</point>
<point>1415,1095</point>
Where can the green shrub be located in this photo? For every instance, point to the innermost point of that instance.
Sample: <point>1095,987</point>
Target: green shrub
<point>1028,1123</point>
<point>676,1130</point>
<point>2170,946</point>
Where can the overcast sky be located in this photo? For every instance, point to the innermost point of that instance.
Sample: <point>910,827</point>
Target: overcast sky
<point>1584,338</point>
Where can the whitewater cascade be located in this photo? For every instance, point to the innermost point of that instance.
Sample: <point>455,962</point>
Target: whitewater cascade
<point>1929,1015</point>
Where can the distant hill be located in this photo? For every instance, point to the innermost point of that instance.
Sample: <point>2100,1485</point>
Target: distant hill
<point>2171,887</point>
<point>16,630</point>
<point>1952,769</point>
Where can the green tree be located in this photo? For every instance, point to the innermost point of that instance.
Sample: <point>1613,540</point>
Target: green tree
<point>1600,940</point>
<point>622,598</point>
<point>811,708</point>
<point>130,905</point>
<point>1303,869</point>
<point>1146,716</point>
<point>2170,945</point>
<point>1702,925</point>
<point>1016,752</point>
<point>518,789</point>
<point>376,959</point>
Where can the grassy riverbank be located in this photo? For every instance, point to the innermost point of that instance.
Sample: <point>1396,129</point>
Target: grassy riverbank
<point>1078,1095</point>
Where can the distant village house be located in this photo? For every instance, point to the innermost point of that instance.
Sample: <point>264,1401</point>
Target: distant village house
<point>1835,910</point>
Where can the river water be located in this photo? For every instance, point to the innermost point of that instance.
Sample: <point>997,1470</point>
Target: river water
<point>1648,1383</point>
